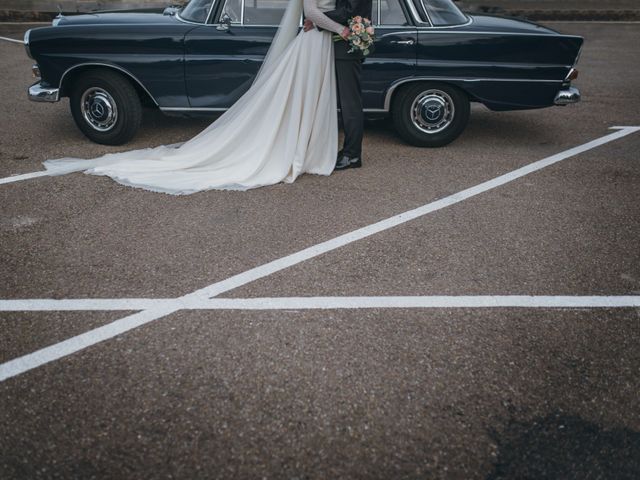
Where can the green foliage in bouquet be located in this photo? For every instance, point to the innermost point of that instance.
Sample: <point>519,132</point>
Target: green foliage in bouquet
<point>361,35</point>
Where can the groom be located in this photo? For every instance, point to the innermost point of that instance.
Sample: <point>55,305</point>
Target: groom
<point>348,73</point>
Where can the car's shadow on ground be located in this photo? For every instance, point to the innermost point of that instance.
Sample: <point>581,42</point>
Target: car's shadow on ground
<point>561,446</point>
<point>154,119</point>
<point>484,128</point>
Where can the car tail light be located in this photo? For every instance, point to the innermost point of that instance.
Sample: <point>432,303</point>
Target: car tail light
<point>572,75</point>
<point>35,69</point>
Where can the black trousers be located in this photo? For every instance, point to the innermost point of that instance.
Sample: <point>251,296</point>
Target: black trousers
<point>348,72</point>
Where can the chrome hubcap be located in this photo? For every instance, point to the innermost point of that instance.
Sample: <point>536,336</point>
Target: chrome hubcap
<point>99,109</point>
<point>432,111</point>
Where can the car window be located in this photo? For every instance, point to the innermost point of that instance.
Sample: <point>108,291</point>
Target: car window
<point>196,11</point>
<point>391,13</point>
<point>233,8</point>
<point>264,12</point>
<point>443,12</point>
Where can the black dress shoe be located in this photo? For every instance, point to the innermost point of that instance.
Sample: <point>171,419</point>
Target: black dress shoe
<point>348,162</point>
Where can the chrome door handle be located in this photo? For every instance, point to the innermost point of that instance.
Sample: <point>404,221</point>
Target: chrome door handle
<point>403,42</point>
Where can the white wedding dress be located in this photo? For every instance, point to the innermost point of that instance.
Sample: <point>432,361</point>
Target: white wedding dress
<point>283,126</point>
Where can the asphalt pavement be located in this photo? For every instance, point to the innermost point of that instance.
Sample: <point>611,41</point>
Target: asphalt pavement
<point>451,393</point>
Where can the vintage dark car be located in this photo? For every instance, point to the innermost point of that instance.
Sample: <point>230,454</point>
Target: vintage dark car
<point>430,61</point>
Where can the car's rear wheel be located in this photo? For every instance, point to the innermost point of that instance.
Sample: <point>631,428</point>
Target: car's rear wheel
<point>430,114</point>
<point>106,107</point>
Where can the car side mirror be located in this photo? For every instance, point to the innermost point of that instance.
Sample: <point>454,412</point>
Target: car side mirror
<point>225,23</point>
<point>172,10</point>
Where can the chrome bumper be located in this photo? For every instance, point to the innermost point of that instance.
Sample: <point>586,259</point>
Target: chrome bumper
<point>567,96</point>
<point>38,93</point>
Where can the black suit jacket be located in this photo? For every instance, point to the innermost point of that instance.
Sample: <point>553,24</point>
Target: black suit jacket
<point>345,9</point>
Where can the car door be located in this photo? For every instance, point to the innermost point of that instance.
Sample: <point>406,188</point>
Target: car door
<point>394,56</point>
<point>221,61</point>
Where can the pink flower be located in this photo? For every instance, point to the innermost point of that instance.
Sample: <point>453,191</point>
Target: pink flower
<point>369,30</point>
<point>357,28</point>
<point>357,19</point>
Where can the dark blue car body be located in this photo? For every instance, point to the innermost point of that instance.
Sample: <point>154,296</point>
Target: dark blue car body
<point>186,67</point>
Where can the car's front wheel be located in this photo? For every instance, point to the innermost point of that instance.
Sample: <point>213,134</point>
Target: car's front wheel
<point>106,107</point>
<point>430,114</point>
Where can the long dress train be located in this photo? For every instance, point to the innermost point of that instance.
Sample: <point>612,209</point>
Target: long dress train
<point>283,126</point>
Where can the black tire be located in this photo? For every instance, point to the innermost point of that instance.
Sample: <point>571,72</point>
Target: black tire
<point>112,111</point>
<point>447,108</point>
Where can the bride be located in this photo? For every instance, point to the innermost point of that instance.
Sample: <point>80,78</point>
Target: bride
<point>283,126</point>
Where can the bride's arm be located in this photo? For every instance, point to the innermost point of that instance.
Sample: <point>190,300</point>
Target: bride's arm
<point>313,13</point>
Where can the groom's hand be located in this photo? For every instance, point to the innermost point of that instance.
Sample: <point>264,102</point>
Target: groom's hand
<point>308,25</point>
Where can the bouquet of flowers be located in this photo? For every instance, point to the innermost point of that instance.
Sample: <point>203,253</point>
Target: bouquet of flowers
<point>361,35</point>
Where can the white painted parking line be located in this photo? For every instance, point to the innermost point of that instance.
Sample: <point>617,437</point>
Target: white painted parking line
<point>13,40</point>
<point>92,337</point>
<point>311,252</point>
<point>476,301</point>
<point>25,176</point>
<point>624,131</point>
<point>325,303</point>
<point>82,304</point>
<point>48,173</point>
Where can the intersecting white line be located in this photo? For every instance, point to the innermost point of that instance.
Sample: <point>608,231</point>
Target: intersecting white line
<point>324,303</point>
<point>12,40</point>
<point>45,173</point>
<point>337,242</point>
<point>24,176</point>
<point>84,304</point>
<point>72,345</point>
